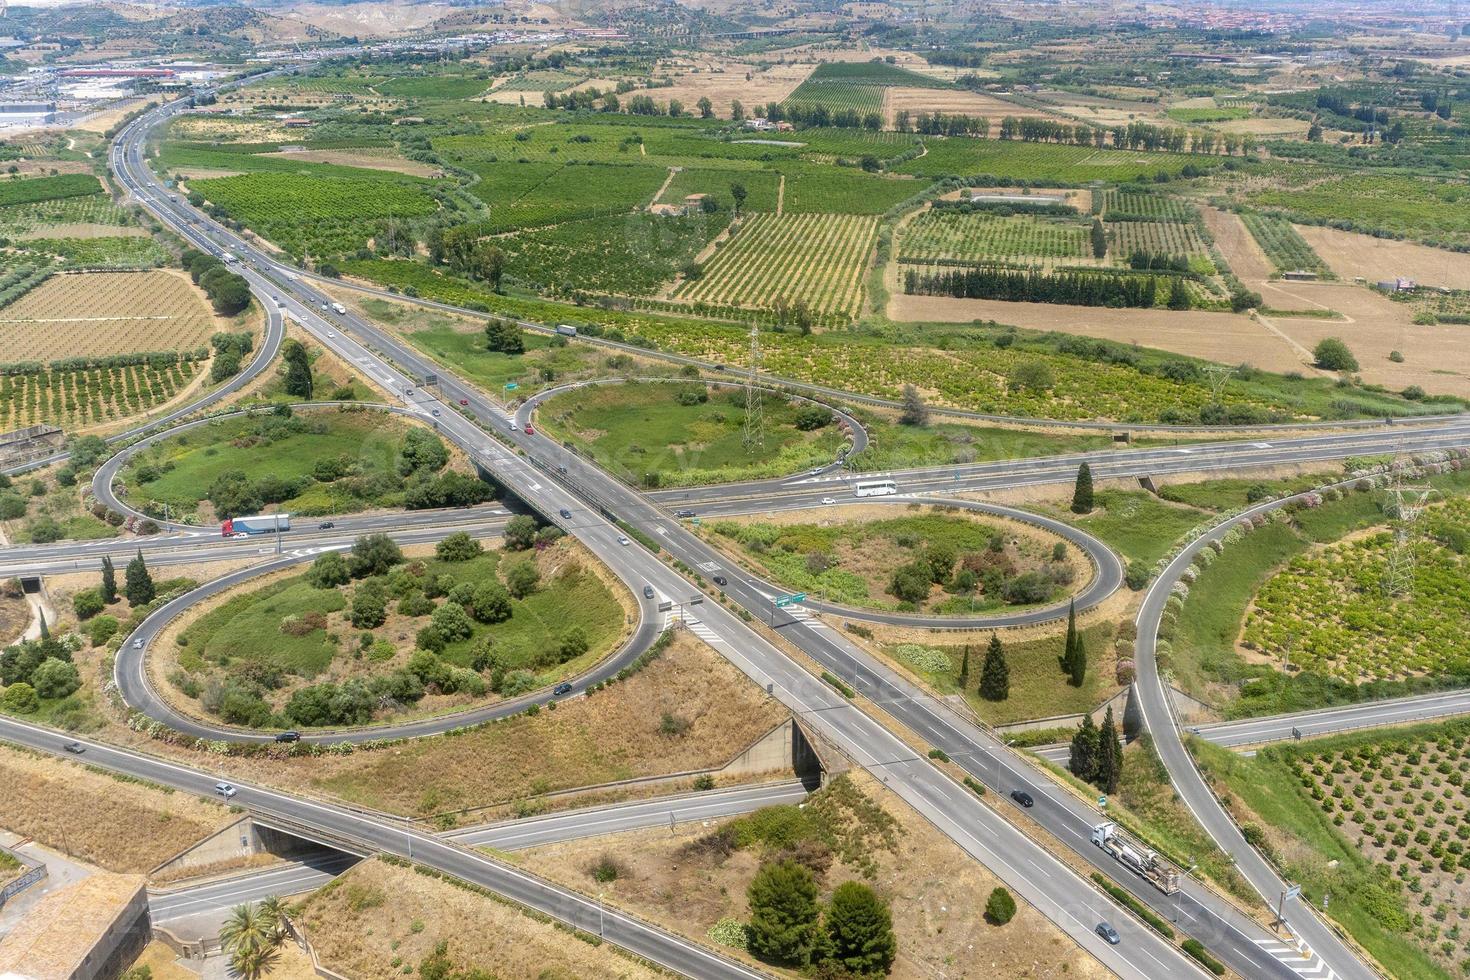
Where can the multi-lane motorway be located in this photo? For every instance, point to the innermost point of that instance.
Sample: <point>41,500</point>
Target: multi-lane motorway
<point>531,467</point>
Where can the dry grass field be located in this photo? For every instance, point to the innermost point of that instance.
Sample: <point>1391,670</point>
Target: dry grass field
<point>102,313</point>
<point>119,825</point>
<point>379,921</point>
<point>366,158</point>
<point>936,893</point>
<point>766,84</point>
<point>917,100</point>
<point>1350,254</point>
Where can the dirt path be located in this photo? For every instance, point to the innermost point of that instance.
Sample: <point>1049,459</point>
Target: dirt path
<point>40,605</point>
<point>780,195</point>
<point>661,187</point>
<point>1237,245</point>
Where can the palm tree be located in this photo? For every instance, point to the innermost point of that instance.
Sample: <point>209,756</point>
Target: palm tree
<point>249,937</point>
<point>275,912</point>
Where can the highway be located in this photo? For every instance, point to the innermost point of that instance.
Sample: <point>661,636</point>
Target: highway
<point>375,834</point>
<point>303,876</point>
<point>1056,890</point>
<point>1340,958</point>
<point>1326,721</point>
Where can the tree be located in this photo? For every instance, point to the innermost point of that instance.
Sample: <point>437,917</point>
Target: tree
<point>911,583</point>
<point>1000,907</point>
<point>915,412</point>
<point>230,295</point>
<point>1109,756</point>
<point>298,368</point>
<point>452,622</point>
<point>250,939</point>
<point>109,581</point>
<point>55,678</point>
<point>422,452</point>
<point>1314,132</point>
<point>328,571</point>
<point>488,264</point>
<point>87,603</point>
<point>995,676</point>
<point>459,546</point>
<point>233,494</point>
<point>490,602</point>
<point>1099,239</point>
<point>738,192</point>
<point>504,336</point>
<point>20,698</point>
<point>372,554</point>
<point>1084,750</point>
<point>965,668</point>
<point>1074,655</point>
<point>522,578</point>
<point>520,532</point>
<point>705,106</point>
<point>368,611</point>
<point>138,584</point>
<point>860,930</point>
<point>784,913</point>
<point>1331,354</point>
<point>737,110</point>
<point>1082,491</point>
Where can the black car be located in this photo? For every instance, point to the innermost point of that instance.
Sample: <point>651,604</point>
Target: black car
<point>1022,797</point>
<point>564,687</point>
<point>326,525</point>
<point>566,514</point>
<point>721,581</point>
<point>683,513</point>
<point>289,737</point>
<point>75,748</point>
<point>648,592</point>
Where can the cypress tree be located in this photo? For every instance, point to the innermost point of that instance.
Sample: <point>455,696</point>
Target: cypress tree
<point>109,580</point>
<point>1099,239</point>
<point>138,584</point>
<point>995,677</point>
<point>1077,670</point>
<point>1084,750</point>
<point>298,369</point>
<point>965,668</point>
<point>1070,645</point>
<point>1082,492</point>
<point>1109,756</point>
<point>45,630</point>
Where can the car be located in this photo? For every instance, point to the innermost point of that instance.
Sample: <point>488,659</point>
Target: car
<point>530,429</point>
<point>564,687</point>
<point>276,300</point>
<point>815,471</point>
<point>225,789</point>
<point>648,592</point>
<point>721,581</point>
<point>829,502</point>
<point>464,401</point>
<point>1108,932</point>
<point>434,412</point>
<point>623,540</point>
<point>240,534</point>
<point>75,748</point>
<point>1022,797</point>
<point>138,643</point>
<point>331,333</point>
<point>289,737</point>
<point>566,514</point>
<point>324,307</point>
<point>326,525</point>
<point>683,513</point>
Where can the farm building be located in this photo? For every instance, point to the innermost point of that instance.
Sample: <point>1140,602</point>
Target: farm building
<point>1299,275</point>
<point>1397,285</point>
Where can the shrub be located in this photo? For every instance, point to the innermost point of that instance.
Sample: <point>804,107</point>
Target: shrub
<point>1331,354</point>
<point>87,603</point>
<point>1000,907</point>
<point>459,546</point>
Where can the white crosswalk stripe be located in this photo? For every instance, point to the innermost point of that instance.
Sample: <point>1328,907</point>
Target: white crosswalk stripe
<point>694,626</point>
<point>1309,966</point>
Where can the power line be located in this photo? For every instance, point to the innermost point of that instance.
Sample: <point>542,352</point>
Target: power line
<point>755,411</point>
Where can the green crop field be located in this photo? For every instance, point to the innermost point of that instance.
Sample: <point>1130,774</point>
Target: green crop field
<point>1043,162</point>
<point>761,187</point>
<point>1329,613</point>
<point>47,188</point>
<point>629,255</point>
<point>326,462</point>
<point>1283,245</point>
<point>320,216</point>
<point>951,236</point>
<point>1419,208</point>
<point>24,220</point>
<point>686,434</point>
<point>831,190</point>
<point>837,95</point>
<point>543,197</point>
<point>81,398</point>
<point>434,87</point>
<point>1208,115</point>
<point>1157,237</point>
<point>819,259</point>
<point>1141,204</point>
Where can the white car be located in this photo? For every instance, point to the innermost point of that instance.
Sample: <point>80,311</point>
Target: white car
<point>138,643</point>
<point>622,539</point>
<point>828,501</point>
<point>225,789</point>
<point>331,333</point>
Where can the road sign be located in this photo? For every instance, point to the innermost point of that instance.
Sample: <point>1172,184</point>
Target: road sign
<point>695,522</point>
<point>1292,892</point>
<point>431,379</point>
<point>790,600</point>
<point>1102,801</point>
<point>512,385</point>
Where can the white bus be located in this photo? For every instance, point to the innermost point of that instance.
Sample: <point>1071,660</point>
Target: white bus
<point>875,488</point>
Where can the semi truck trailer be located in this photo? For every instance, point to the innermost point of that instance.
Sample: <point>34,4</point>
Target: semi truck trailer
<point>1136,857</point>
<point>258,524</point>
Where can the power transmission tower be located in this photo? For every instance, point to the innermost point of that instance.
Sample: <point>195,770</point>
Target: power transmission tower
<point>1219,376</point>
<point>1408,504</point>
<point>755,413</point>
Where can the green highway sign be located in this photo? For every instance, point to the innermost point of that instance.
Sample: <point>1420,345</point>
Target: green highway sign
<point>790,600</point>
<point>512,385</point>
